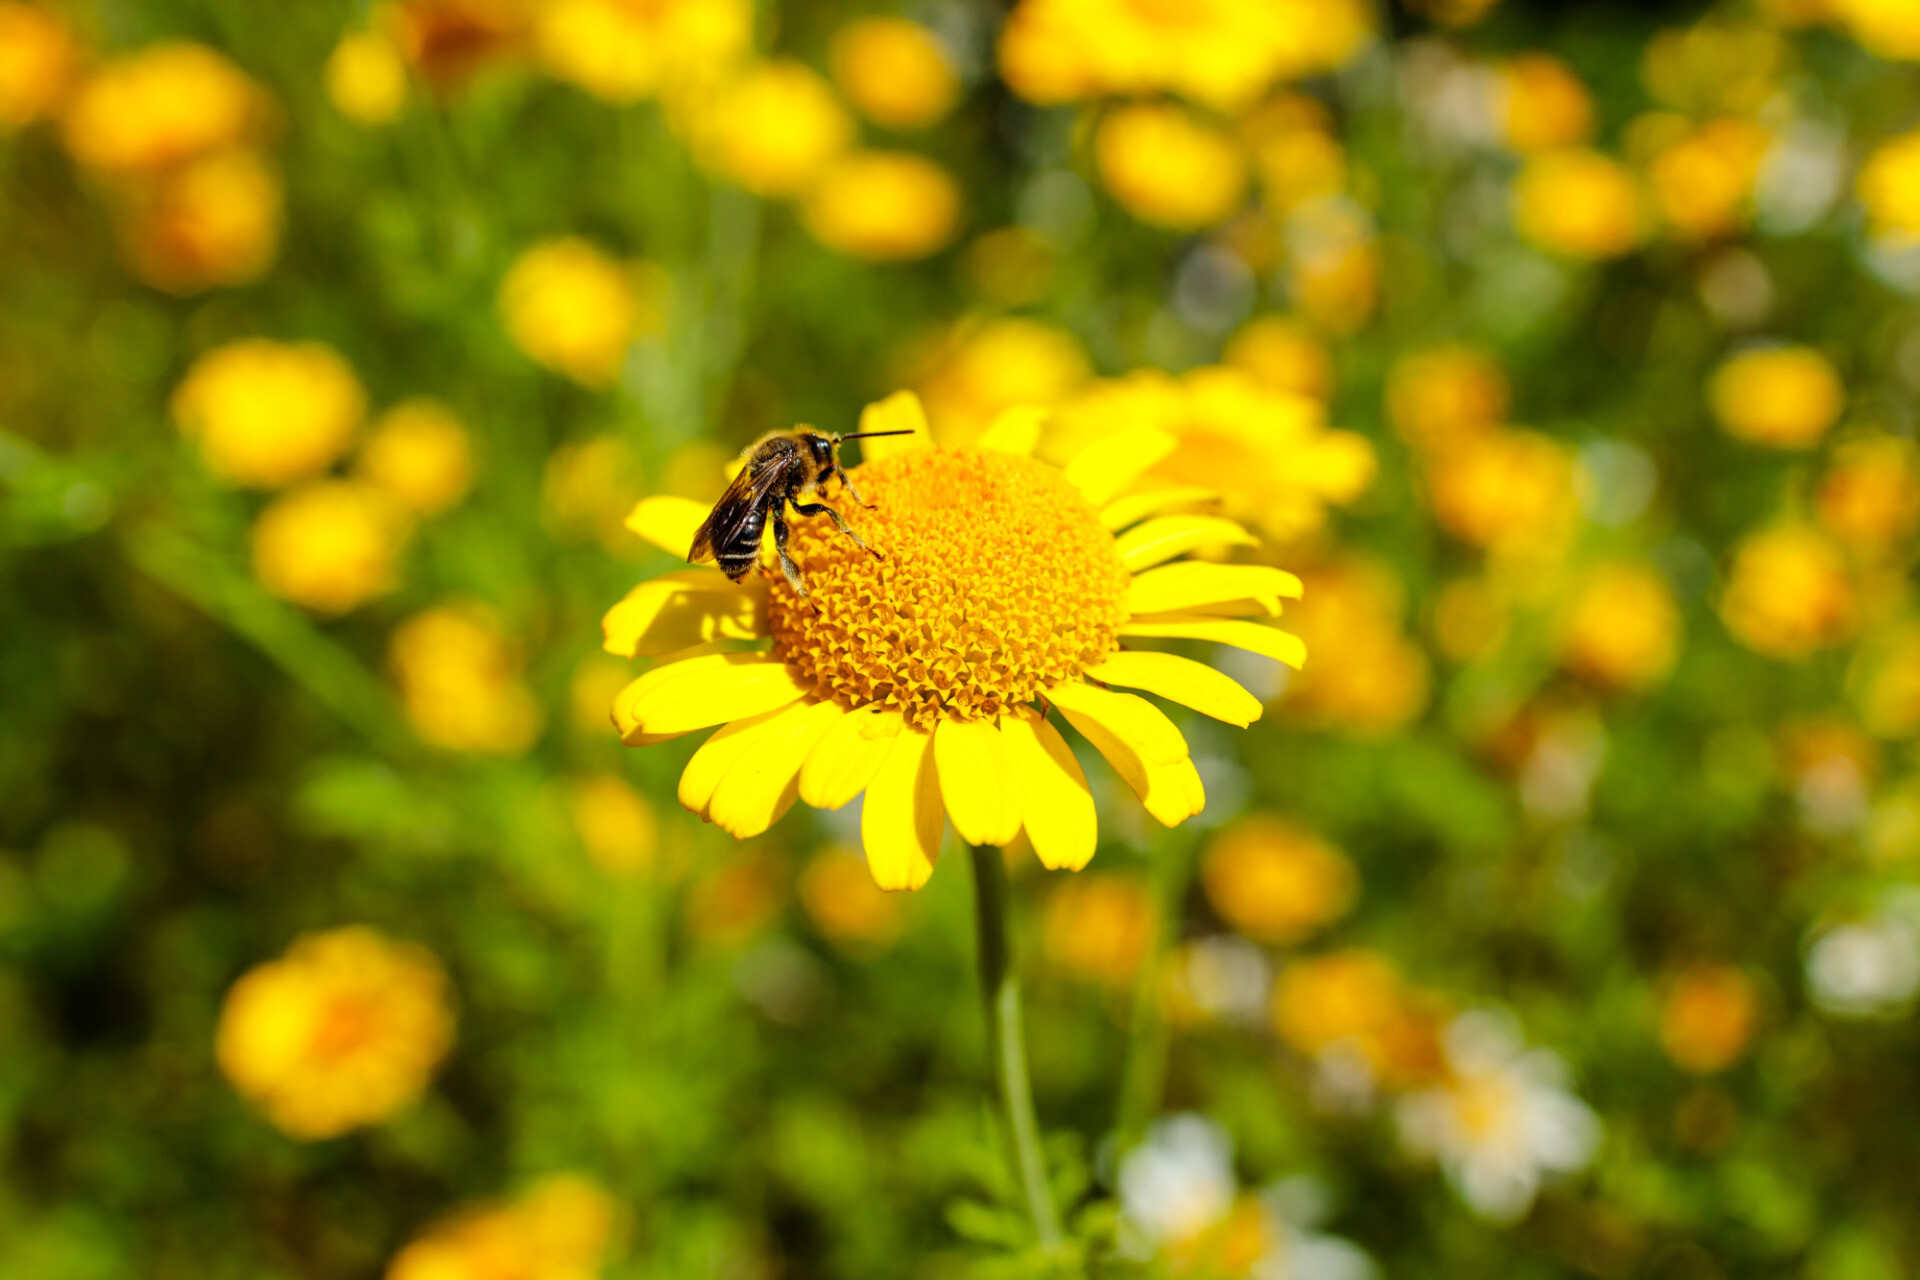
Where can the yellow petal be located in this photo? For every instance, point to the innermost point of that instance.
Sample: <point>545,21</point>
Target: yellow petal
<point>848,755</point>
<point>699,695</point>
<point>684,608</point>
<point>1132,719</point>
<point>762,785</point>
<point>1196,586</point>
<point>900,824</point>
<point>709,654</point>
<point>976,781</point>
<point>1122,512</point>
<point>716,757</point>
<point>1016,430</point>
<point>1055,805</point>
<point>900,411</point>
<point>1111,463</point>
<point>1170,789</point>
<point>668,522</point>
<point>1161,539</point>
<point>1182,680</point>
<point>1254,637</point>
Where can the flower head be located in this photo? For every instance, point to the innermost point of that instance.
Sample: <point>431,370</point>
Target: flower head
<point>460,682</point>
<point>210,222</point>
<point>160,106</point>
<point>367,78</point>
<point>1889,189</point>
<point>329,545</point>
<point>1786,397</point>
<point>342,1031</point>
<point>1275,882</point>
<point>894,72</point>
<point>37,57</point>
<point>883,206</point>
<point>558,1230</point>
<point>1579,203</point>
<point>1168,167</point>
<point>772,129</point>
<point>1788,593</point>
<point>1707,1017</point>
<point>269,413</point>
<point>419,455</point>
<point>574,309</point>
<point>924,673</point>
<point>625,50</point>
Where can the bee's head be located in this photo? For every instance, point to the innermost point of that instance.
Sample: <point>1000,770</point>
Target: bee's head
<point>823,450</point>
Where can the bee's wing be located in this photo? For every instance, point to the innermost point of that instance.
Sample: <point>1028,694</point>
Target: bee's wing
<point>748,490</point>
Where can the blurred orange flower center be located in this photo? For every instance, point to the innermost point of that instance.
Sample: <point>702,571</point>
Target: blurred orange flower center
<point>994,581</point>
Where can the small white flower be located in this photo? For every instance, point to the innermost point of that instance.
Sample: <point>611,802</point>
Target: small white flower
<point>1180,1181</point>
<point>1503,1119</point>
<point>1870,968</point>
<point>1295,1207</point>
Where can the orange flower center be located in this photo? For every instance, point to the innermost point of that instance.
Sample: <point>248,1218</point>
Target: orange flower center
<point>994,582</point>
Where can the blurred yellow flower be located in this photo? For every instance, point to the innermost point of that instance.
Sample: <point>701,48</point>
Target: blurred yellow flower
<point>329,545</point>
<point>734,901</point>
<point>367,78</point>
<point>983,369</point>
<point>1716,66</point>
<point>1275,882</point>
<point>1268,456</point>
<point>1367,678</point>
<point>1887,28</point>
<point>1786,397</point>
<point>926,679</point>
<point>616,824</point>
<point>1869,497</point>
<point>840,898</point>
<point>558,1230</point>
<point>1290,140</point>
<point>161,105</point>
<point>1444,396</point>
<point>1707,1017</point>
<point>588,489</point>
<point>268,413</point>
<point>1542,105</point>
<point>344,1030</point>
<point>1703,182</point>
<point>450,41</point>
<point>894,72</point>
<point>1507,491</point>
<point>1099,928</point>
<point>1333,272</point>
<point>419,455</point>
<point>624,50</point>
<point>882,206</point>
<point>1885,681</point>
<point>1283,356</point>
<point>1169,168</point>
<point>575,310</point>
<point>460,682</point>
<point>773,129</point>
<point>1889,189</point>
<point>1622,627</point>
<point>209,222</point>
<point>37,59</point>
<point>1788,594</point>
<point>1357,1001</point>
<point>1579,203</point>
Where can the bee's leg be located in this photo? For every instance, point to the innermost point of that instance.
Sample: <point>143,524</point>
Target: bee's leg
<point>822,509</point>
<point>847,480</point>
<point>787,566</point>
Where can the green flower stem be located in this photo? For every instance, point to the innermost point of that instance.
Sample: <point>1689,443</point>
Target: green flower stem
<point>1004,1040</point>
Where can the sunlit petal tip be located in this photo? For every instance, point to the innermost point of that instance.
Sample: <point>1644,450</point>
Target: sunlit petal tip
<point>1196,586</point>
<point>1182,680</point>
<point>847,756</point>
<point>1112,462</point>
<point>902,820</point>
<point>1130,718</point>
<point>1016,430</point>
<point>1164,537</point>
<point>668,522</point>
<point>1056,807</point>
<point>684,608</point>
<point>977,781</point>
<point>764,782</point>
<point>1254,637</point>
<point>723,749</point>
<point>900,411</point>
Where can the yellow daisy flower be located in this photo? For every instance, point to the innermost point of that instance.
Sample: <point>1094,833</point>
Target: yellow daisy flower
<point>1004,589</point>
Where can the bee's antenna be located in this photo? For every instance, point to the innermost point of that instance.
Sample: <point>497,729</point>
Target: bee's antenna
<point>868,435</point>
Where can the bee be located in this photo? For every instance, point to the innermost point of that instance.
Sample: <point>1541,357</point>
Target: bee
<point>779,469</point>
